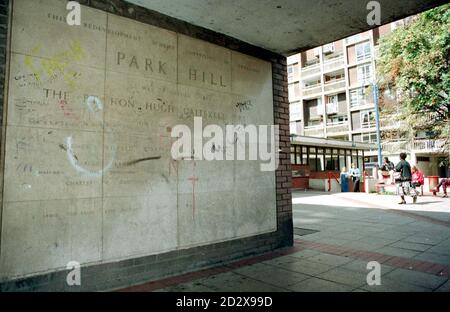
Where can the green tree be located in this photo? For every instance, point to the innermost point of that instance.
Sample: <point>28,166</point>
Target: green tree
<point>414,64</point>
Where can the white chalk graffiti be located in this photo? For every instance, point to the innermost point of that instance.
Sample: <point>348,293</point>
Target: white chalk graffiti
<point>94,105</point>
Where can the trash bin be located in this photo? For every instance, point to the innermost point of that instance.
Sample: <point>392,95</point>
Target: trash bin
<point>433,182</point>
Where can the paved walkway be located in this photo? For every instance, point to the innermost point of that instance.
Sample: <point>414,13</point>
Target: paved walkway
<point>336,235</point>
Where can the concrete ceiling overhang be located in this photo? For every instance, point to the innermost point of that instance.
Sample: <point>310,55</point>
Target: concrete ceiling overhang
<point>284,26</point>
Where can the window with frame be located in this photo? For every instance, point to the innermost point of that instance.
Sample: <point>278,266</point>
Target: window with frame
<point>338,120</point>
<point>368,119</point>
<point>295,111</point>
<point>358,97</point>
<point>363,51</point>
<point>369,138</point>
<point>320,107</point>
<point>332,99</point>
<point>364,73</point>
<point>332,104</point>
<point>293,127</point>
<point>294,90</point>
<point>291,72</point>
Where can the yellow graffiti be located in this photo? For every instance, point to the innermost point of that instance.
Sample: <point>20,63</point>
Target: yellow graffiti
<point>57,64</point>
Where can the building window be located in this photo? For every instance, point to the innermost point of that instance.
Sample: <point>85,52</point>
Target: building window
<point>364,73</point>
<point>358,97</point>
<point>291,72</point>
<point>320,160</point>
<point>293,127</point>
<point>369,138</point>
<point>363,51</point>
<point>313,159</point>
<point>328,48</point>
<point>332,104</point>
<point>334,77</point>
<point>332,99</point>
<point>338,120</point>
<point>295,111</point>
<point>367,119</point>
<point>294,90</point>
<point>304,155</point>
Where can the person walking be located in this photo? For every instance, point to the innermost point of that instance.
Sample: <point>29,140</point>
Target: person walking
<point>355,174</point>
<point>417,181</point>
<point>444,183</point>
<point>344,180</point>
<point>404,180</point>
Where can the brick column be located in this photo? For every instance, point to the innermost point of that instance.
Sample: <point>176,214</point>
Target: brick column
<point>284,172</point>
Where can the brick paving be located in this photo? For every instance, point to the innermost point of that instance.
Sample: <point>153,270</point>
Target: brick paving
<point>347,231</point>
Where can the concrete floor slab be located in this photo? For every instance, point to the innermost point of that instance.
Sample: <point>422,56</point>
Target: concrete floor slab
<point>417,278</point>
<point>331,260</point>
<point>319,285</point>
<point>307,267</point>
<point>272,275</point>
<point>345,277</point>
<point>412,246</point>
<point>361,266</point>
<point>399,252</point>
<point>401,238</point>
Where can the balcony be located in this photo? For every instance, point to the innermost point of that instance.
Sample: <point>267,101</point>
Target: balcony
<point>395,147</point>
<point>334,63</point>
<point>335,85</point>
<point>311,70</point>
<point>417,146</point>
<point>389,124</point>
<point>312,90</point>
<point>429,146</point>
<point>316,131</point>
<point>337,128</point>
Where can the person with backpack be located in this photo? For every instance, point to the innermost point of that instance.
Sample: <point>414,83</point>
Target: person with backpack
<point>404,179</point>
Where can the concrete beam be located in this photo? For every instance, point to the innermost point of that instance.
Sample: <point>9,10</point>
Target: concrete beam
<point>285,26</point>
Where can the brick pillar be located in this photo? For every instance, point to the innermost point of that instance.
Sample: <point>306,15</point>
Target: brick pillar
<point>284,172</point>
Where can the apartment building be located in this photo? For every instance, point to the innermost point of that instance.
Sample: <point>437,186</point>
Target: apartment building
<point>330,88</point>
<point>331,96</point>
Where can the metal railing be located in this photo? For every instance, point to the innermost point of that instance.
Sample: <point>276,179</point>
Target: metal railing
<point>433,146</point>
<point>417,145</point>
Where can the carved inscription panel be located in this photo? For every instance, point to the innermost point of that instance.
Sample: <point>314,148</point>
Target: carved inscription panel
<point>89,175</point>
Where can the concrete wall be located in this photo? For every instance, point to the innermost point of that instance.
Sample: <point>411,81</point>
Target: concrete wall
<point>70,193</point>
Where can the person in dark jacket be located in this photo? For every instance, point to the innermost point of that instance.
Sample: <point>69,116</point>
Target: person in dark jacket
<point>404,182</point>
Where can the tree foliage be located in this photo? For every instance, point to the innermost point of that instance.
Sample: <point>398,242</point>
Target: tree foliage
<point>414,61</point>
